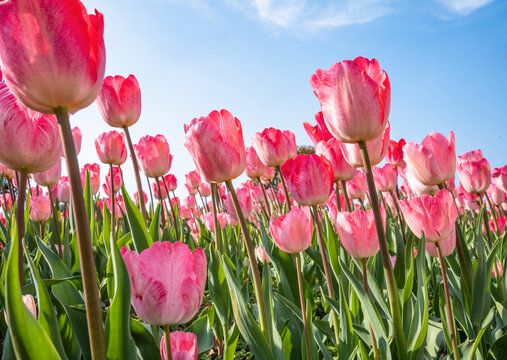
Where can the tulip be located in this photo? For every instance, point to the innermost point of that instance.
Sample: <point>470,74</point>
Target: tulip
<point>356,188</point>
<point>167,282</point>
<point>51,176</point>
<point>262,255</point>
<point>94,170</point>
<point>386,177</point>
<point>502,221</point>
<point>6,201</point>
<point>77,136</point>
<point>155,187</point>
<point>412,184</point>
<point>499,176</point>
<point>268,175</point>
<point>171,182</point>
<point>292,232</point>
<point>433,161</point>
<point>355,97</point>
<point>117,209</point>
<point>330,149</point>
<point>395,153</point>
<point>433,216</point>
<point>309,178</point>
<point>119,101</point>
<point>117,181</point>
<point>216,145</point>
<point>136,197</point>
<point>245,202</point>
<point>40,208</point>
<point>6,172</point>
<point>474,172</point>
<point>189,202</point>
<point>110,147</point>
<point>499,269</point>
<point>63,190</point>
<point>205,189</point>
<point>358,233</point>
<point>255,168</point>
<point>193,179</point>
<point>191,191</point>
<point>183,346</point>
<point>318,132</point>
<point>377,150</point>
<point>447,246</point>
<point>496,195</point>
<point>153,155</point>
<point>274,146</point>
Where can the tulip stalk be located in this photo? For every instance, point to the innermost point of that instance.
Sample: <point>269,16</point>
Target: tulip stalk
<point>253,263</point>
<point>400,214</point>
<point>493,212</point>
<point>337,193</point>
<point>303,309</point>
<point>366,288</point>
<point>135,164</point>
<point>214,201</point>
<point>287,200</point>
<point>162,212</point>
<point>113,202</point>
<point>20,220</point>
<point>346,196</point>
<point>176,227</point>
<point>53,212</point>
<point>265,197</point>
<point>89,275</point>
<point>167,335</point>
<point>392,288</point>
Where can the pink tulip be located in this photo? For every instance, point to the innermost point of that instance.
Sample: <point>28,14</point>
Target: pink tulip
<point>447,246</point>
<point>257,195</point>
<point>432,215</point>
<point>274,146</point>
<point>94,170</point>
<point>29,303</point>
<point>189,202</point>
<point>6,201</point>
<point>474,172</point>
<point>254,166</point>
<point>153,155</point>
<point>117,208</point>
<point>110,147</point>
<point>386,177</point>
<point>356,188</point>
<point>205,190</point>
<point>167,282</point>
<point>154,188</point>
<point>191,190</point>
<point>245,203</point>
<point>28,140</point>
<point>171,182</point>
<point>330,149</point>
<point>358,233</point>
<point>63,190</point>
<point>499,176</point>
<point>77,136</point>
<point>268,175</point>
<point>6,172</point>
<point>377,150</point>
<point>318,132</point>
<point>262,255</point>
<point>414,185</point>
<point>136,198</point>
<point>119,100</point>
<point>310,178</point>
<point>40,208</point>
<point>216,145</point>
<point>193,179</point>
<point>501,220</point>
<point>117,181</point>
<point>51,176</point>
<point>183,346</point>
<point>499,269</point>
<point>292,232</point>
<point>395,153</point>
<point>434,161</point>
<point>355,97</point>
<point>496,195</point>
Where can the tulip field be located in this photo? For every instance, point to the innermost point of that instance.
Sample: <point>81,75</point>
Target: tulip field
<point>356,247</point>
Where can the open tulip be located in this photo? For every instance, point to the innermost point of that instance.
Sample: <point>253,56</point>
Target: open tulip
<point>386,177</point>
<point>474,172</point>
<point>183,346</point>
<point>216,145</point>
<point>110,147</point>
<point>318,132</point>
<point>395,153</point>
<point>255,168</point>
<point>292,232</point>
<point>355,97</point>
<point>40,208</point>
<point>499,176</point>
<point>330,149</point>
<point>153,155</point>
<point>119,101</point>
<point>377,150</point>
<point>274,146</point>
<point>167,282</point>
<point>51,176</point>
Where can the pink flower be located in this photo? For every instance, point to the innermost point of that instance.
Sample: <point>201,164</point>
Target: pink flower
<point>310,178</point>
<point>167,282</point>
<point>245,203</point>
<point>499,176</point>
<point>205,190</point>
<point>136,198</point>
<point>358,233</point>
<point>501,220</point>
<point>377,150</point>
<point>356,188</point>
<point>446,246</point>
<point>117,181</point>
<point>318,132</point>
<point>355,97</point>
<point>6,172</point>
<point>94,170</point>
<point>254,166</point>
<point>395,153</point>
<point>110,147</point>
<point>191,190</point>
<point>155,188</point>
<point>183,346</point>
<point>53,53</point>
<point>119,100</point>
<point>274,146</point>
<point>432,215</point>
<point>51,176</point>
<point>386,177</point>
<point>63,190</point>
<point>330,149</point>
<point>171,182</point>
<point>433,161</point>
<point>414,185</point>
<point>153,155</point>
<point>77,136</point>
<point>496,195</point>
<point>268,175</point>
<point>262,255</point>
<point>474,172</point>
<point>216,145</point>
<point>193,179</point>
<point>292,232</point>
<point>40,208</point>
<point>499,269</point>
<point>189,202</point>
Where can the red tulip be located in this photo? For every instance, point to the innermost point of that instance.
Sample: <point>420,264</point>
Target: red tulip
<point>395,153</point>
<point>193,179</point>
<point>318,132</point>
<point>309,178</point>
<point>356,188</point>
<point>432,215</point>
<point>53,53</point>
<point>330,149</point>
<point>245,202</point>
<point>40,208</point>
<point>474,172</point>
<point>171,182</point>
<point>292,232</point>
<point>94,170</point>
<point>28,140</point>
<point>499,176</point>
<point>117,181</point>
<point>358,233</point>
<point>254,166</point>
<point>51,176</point>
<point>183,346</point>
<point>167,282</point>
<point>153,155</point>
<point>355,97</point>
<point>110,147</point>
<point>274,146</point>
<point>119,100</point>
<point>434,161</point>
<point>386,177</point>
<point>377,150</point>
<point>216,145</point>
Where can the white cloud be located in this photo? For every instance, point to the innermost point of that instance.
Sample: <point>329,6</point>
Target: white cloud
<point>464,7</point>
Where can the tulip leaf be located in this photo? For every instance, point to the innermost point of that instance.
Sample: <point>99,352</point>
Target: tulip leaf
<point>276,340</point>
<point>155,225</point>
<point>140,236</point>
<point>90,213</point>
<point>205,338</point>
<point>144,341</point>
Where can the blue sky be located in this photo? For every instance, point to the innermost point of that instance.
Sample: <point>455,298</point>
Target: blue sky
<point>446,59</point>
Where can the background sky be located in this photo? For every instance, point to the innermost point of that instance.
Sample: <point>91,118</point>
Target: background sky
<point>446,60</point>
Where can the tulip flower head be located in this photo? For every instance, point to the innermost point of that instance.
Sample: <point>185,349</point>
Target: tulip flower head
<point>499,176</point>
<point>330,149</point>
<point>274,146</point>
<point>474,172</point>
<point>154,155</point>
<point>318,132</point>
<point>110,147</point>
<point>183,346</point>
<point>292,232</point>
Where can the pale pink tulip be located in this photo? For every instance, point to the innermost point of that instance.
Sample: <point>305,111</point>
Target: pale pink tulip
<point>40,208</point>
<point>183,346</point>
<point>110,147</point>
<point>153,155</point>
<point>386,177</point>
<point>474,172</point>
<point>330,149</point>
<point>377,150</point>
<point>274,146</point>
<point>51,176</point>
<point>254,166</point>
<point>292,232</point>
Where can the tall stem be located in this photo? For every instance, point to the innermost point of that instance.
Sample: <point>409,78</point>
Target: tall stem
<point>214,201</point>
<point>337,193</point>
<point>450,317</point>
<point>392,288</point>
<point>268,208</point>
<point>176,225</point>
<point>303,307</point>
<point>493,211</point>
<point>346,196</point>
<point>400,214</point>
<point>151,193</point>
<point>136,172</point>
<point>253,264</point>
<point>89,274</point>
<point>277,199</point>
<point>20,219</point>
<point>113,202</point>
<point>287,199</point>
<point>365,281</point>
<point>161,202</point>
<point>57,228</point>
<point>167,335</point>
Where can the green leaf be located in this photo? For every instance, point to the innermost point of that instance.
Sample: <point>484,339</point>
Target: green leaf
<point>141,238</point>
<point>205,338</point>
<point>144,341</point>
<point>155,225</point>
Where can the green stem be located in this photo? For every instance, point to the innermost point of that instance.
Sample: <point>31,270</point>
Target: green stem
<point>167,335</point>
<point>162,212</point>
<point>392,288</point>
<point>400,214</point>
<point>303,309</point>
<point>176,225</point>
<point>268,208</point>
<point>337,193</point>
<point>135,164</point>
<point>20,219</point>
<point>214,201</point>
<point>113,202</point>
<point>365,281</point>
<point>57,228</point>
<point>287,199</point>
<point>348,206</point>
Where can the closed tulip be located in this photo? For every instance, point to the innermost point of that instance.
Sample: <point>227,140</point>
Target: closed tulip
<point>386,177</point>
<point>292,232</point>
<point>255,168</point>
<point>117,181</point>
<point>119,101</point>
<point>310,178</point>
<point>183,346</point>
<point>154,188</point>
<point>167,282</point>
<point>432,215</point>
<point>330,149</point>
<point>94,170</point>
<point>496,195</point>
<point>171,182</point>
<point>358,233</point>
<point>189,202</point>
<point>268,175</point>
<point>355,97</point>
<point>274,146</point>
<point>433,161</point>
<point>245,203</point>
<point>191,190</point>
<point>414,185</point>
<point>51,176</point>
<point>77,136</point>
<point>262,255</point>
<point>499,176</point>
<point>216,145</point>
<point>110,147</point>
<point>205,189</point>
<point>136,197</point>
<point>474,172</point>
<point>447,246</point>
<point>356,188</point>
<point>193,179</point>
<point>318,132</point>
<point>57,61</point>
<point>63,190</point>
<point>29,140</point>
<point>153,155</point>
<point>40,208</point>
<point>377,150</point>
<point>395,153</point>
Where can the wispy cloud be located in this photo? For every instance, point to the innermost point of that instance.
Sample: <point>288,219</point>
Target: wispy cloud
<point>464,7</point>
